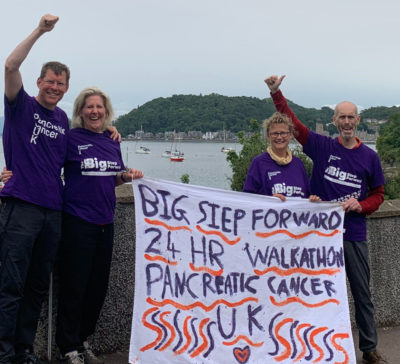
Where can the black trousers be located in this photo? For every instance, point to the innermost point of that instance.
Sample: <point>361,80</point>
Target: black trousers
<point>358,274</point>
<point>85,259</point>
<point>29,237</point>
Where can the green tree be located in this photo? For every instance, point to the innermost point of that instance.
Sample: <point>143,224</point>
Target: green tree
<point>392,186</point>
<point>253,145</point>
<point>388,143</point>
<point>185,178</point>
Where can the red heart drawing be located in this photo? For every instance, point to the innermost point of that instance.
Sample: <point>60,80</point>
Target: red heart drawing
<point>242,355</point>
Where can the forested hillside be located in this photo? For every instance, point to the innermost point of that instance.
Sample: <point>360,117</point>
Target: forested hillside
<point>215,112</point>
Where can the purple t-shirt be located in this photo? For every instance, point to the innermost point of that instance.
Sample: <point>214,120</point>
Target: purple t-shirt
<point>35,145</point>
<point>340,173</point>
<point>93,161</point>
<point>266,177</point>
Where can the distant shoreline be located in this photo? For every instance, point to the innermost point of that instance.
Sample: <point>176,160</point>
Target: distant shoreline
<point>181,140</point>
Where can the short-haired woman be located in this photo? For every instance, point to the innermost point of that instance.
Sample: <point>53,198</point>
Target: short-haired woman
<point>277,172</point>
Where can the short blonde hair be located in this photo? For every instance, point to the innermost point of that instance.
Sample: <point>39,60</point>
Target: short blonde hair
<point>79,104</point>
<point>278,118</point>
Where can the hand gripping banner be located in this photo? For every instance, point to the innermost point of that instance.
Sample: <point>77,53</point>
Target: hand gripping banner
<point>229,277</point>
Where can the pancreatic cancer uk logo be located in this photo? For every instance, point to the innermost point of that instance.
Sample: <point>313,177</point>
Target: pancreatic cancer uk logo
<point>45,128</point>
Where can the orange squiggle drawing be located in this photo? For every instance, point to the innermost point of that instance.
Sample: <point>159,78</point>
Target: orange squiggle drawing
<point>204,345</point>
<point>206,269</point>
<point>340,348</point>
<point>288,272</point>
<point>283,341</point>
<point>160,258</point>
<point>294,236</point>
<point>200,304</point>
<point>314,333</point>
<point>245,338</point>
<point>151,327</point>
<point>218,233</point>
<point>168,227</point>
<point>299,300</point>
<point>187,336</point>
<point>170,327</point>
<point>303,344</point>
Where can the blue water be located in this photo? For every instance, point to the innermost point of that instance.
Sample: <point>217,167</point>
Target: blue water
<point>204,162</point>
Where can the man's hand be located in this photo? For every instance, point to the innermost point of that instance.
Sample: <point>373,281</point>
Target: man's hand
<point>273,83</point>
<point>114,134</point>
<point>314,198</point>
<point>352,205</point>
<point>47,23</point>
<point>5,175</point>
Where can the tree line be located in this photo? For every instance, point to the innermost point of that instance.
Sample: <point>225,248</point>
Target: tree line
<point>214,112</point>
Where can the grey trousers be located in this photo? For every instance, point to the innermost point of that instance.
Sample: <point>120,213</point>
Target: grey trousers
<point>358,274</point>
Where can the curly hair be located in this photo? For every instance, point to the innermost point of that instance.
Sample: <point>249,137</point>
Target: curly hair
<point>278,118</point>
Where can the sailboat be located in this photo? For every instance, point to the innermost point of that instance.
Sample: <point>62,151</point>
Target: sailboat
<point>142,149</point>
<point>176,155</point>
<point>225,149</point>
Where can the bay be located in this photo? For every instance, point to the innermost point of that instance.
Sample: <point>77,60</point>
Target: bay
<point>204,162</point>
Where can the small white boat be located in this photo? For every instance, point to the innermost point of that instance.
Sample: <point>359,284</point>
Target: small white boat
<point>166,154</point>
<point>226,149</point>
<point>143,150</point>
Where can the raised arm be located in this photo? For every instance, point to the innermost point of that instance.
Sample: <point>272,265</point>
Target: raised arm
<point>13,79</point>
<point>300,130</point>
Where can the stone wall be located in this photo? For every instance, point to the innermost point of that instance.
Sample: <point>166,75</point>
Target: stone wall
<point>113,331</point>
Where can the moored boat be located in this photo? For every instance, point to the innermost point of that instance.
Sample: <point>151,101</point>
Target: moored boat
<point>176,156</point>
<point>143,150</point>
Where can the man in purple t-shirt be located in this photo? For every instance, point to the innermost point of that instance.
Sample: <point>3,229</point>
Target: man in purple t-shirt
<point>347,171</point>
<point>34,141</point>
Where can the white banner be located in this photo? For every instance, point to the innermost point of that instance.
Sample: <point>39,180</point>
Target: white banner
<point>229,277</point>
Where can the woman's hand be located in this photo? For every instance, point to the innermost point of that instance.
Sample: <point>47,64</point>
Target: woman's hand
<point>280,196</point>
<point>132,174</point>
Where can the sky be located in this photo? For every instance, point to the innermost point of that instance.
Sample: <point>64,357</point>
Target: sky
<point>138,50</point>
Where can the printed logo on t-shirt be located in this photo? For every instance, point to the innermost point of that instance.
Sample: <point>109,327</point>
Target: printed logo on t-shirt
<point>83,147</point>
<point>336,175</point>
<point>272,174</point>
<point>45,128</point>
<point>95,167</point>
<point>355,195</point>
<point>334,158</point>
<point>287,190</point>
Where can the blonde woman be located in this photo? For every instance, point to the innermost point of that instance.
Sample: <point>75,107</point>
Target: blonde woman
<point>92,169</point>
